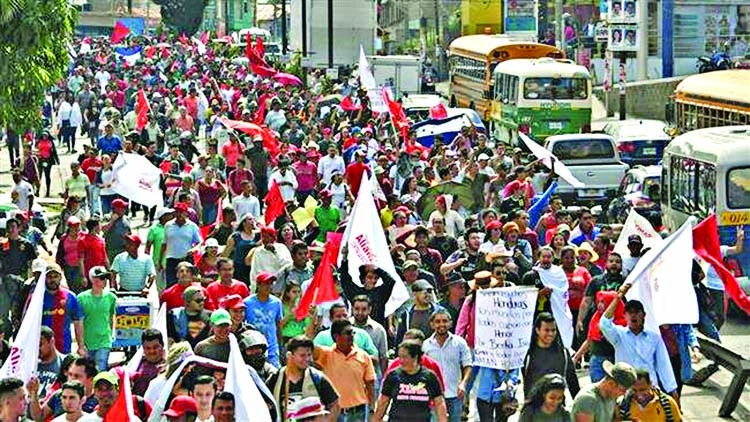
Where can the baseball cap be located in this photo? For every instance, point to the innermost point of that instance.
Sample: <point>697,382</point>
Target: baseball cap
<point>181,206</point>
<point>73,221</point>
<point>409,264</point>
<point>108,376</point>
<point>211,243</point>
<point>623,374</point>
<point>232,302</point>
<point>180,406</point>
<point>634,238</point>
<point>268,230</point>
<point>54,268</point>
<point>421,285</point>
<point>98,272</point>
<point>483,157</point>
<point>133,238</point>
<point>220,316</point>
<point>454,278</point>
<point>161,212</point>
<point>494,224</point>
<point>38,265</point>
<point>119,203</point>
<point>265,278</point>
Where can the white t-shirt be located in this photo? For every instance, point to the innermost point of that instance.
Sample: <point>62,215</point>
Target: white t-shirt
<point>63,418</point>
<point>24,190</point>
<point>103,78</point>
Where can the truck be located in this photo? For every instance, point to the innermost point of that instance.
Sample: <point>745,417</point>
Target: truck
<point>594,160</point>
<point>400,73</point>
<point>353,25</point>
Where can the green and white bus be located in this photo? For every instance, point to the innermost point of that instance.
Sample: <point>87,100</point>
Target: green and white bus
<point>540,97</point>
<point>707,171</point>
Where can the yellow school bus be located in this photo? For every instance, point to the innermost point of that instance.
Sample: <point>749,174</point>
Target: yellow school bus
<point>711,100</point>
<point>472,58</point>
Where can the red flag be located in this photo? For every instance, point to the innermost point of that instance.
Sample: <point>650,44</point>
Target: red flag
<point>150,50</point>
<point>260,49</point>
<point>263,71</point>
<point>398,117</point>
<point>706,245</point>
<point>274,203</point>
<point>438,111</point>
<point>260,114</point>
<point>122,409</point>
<point>164,52</point>
<point>348,105</point>
<point>119,32</point>
<point>204,37</point>
<point>322,289</point>
<point>183,39</point>
<point>141,110</point>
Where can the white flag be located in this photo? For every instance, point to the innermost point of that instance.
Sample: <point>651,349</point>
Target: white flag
<point>199,46</point>
<point>637,224</point>
<point>557,281</point>
<point>24,354</point>
<point>249,404</point>
<point>662,281</point>
<point>159,323</point>
<point>366,78</point>
<point>366,244</point>
<point>137,179</point>
<point>550,161</point>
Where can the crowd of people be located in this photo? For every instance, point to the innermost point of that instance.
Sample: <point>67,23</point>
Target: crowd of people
<point>221,269</point>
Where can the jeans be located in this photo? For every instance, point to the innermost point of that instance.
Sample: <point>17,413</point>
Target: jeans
<point>101,358</point>
<point>490,412</point>
<point>95,206</point>
<point>596,368</point>
<point>209,213</point>
<point>359,415</point>
<point>455,409</point>
<point>707,326</point>
<point>74,277</point>
<point>107,203</point>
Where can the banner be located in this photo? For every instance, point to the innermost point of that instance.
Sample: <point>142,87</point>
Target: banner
<point>555,279</point>
<point>366,78</point>
<point>504,320</point>
<point>366,244</point>
<point>136,179</point>
<point>662,281</point>
<point>550,161</point>
<point>637,224</point>
<point>249,404</point>
<point>24,354</point>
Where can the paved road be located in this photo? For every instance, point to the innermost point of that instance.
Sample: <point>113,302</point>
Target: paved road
<point>699,404</point>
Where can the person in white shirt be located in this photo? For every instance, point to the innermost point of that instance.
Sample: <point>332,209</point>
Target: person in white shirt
<point>246,203</point>
<point>23,192</point>
<point>270,256</point>
<point>69,119</point>
<point>286,179</point>
<point>484,168</point>
<point>72,397</point>
<point>329,164</point>
<point>275,118</point>
<point>103,77</point>
<point>454,223</point>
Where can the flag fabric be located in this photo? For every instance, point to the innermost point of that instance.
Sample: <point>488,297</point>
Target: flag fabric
<point>260,49</point>
<point>262,70</point>
<point>555,279</point>
<point>130,55</point>
<point>536,210</point>
<point>119,32</point>
<point>398,117</point>
<point>136,179</point>
<point>199,46</point>
<point>550,161</point>
<point>348,105</point>
<point>150,51</point>
<point>85,46</point>
<point>707,246</point>
<point>366,244</point>
<point>274,204</point>
<point>24,353</point>
<point>367,80</point>
<point>448,127</point>
<point>260,114</point>
<point>270,140</point>
<point>637,224</point>
<point>322,289</point>
<point>204,37</point>
<point>438,111</point>
<point>662,279</point>
<point>252,54</point>
<point>183,38</point>
<point>141,110</point>
<point>249,404</point>
<point>122,409</point>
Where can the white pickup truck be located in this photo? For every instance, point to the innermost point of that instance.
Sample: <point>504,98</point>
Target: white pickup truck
<point>593,159</point>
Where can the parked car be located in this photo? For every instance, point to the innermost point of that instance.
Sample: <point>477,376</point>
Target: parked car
<point>640,189</point>
<point>593,160</point>
<point>639,142</point>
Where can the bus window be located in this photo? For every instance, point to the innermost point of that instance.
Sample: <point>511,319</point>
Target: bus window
<point>556,88</point>
<point>707,188</point>
<point>513,89</point>
<point>738,188</point>
<point>682,184</point>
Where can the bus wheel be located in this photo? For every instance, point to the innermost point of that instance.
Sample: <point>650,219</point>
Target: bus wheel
<point>452,103</point>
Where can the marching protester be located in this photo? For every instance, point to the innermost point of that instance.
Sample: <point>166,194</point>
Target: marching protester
<point>306,254</point>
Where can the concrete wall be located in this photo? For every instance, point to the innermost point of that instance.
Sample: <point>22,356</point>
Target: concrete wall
<point>644,99</point>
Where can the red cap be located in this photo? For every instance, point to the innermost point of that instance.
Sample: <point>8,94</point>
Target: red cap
<point>325,193</point>
<point>181,206</point>
<point>119,203</point>
<point>265,278</point>
<point>441,199</point>
<point>494,224</point>
<point>180,406</point>
<point>268,230</point>
<point>402,209</point>
<point>232,302</point>
<point>133,238</point>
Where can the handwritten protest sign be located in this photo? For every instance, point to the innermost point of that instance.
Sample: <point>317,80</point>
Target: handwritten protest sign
<point>504,320</point>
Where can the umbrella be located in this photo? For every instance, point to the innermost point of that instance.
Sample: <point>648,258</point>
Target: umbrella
<point>330,100</point>
<point>460,191</point>
<point>287,79</point>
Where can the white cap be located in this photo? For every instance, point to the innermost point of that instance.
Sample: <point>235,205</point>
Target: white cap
<point>38,265</point>
<point>211,243</point>
<point>483,157</point>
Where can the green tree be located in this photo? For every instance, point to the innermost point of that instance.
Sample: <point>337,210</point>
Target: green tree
<point>34,55</point>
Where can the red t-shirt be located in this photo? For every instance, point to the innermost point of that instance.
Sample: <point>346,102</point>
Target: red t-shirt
<point>173,297</point>
<point>91,166</point>
<point>93,250</point>
<point>578,279</point>
<point>354,172</point>
<point>218,291</point>
<point>425,361</point>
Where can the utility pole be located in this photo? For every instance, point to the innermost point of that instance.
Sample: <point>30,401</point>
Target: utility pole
<point>667,50</point>
<point>304,28</point>
<point>330,34</point>
<point>559,25</point>
<point>284,35</point>
<point>642,32</point>
<point>623,81</point>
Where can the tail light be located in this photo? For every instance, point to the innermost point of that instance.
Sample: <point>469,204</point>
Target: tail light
<point>586,128</point>
<point>524,128</point>
<point>626,148</point>
<point>733,265</point>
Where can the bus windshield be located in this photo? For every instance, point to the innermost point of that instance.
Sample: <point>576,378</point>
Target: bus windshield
<point>555,89</point>
<point>738,188</point>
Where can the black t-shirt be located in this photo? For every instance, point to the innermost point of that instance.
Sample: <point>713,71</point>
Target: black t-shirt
<point>446,245</point>
<point>411,394</point>
<point>326,392</point>
<point>16,256</point>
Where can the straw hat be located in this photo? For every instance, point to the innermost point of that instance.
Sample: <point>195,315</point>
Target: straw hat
<point>484,280</point>
<point>586,247</point>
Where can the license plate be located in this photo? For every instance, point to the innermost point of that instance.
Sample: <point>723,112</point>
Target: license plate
<point>556,125</point>
<point>649,151</point>
<point>586,193</point>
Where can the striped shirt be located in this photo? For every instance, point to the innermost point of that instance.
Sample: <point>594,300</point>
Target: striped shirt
<point>180,239</point>
<point>133,272</point>
<point>453,356</point>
